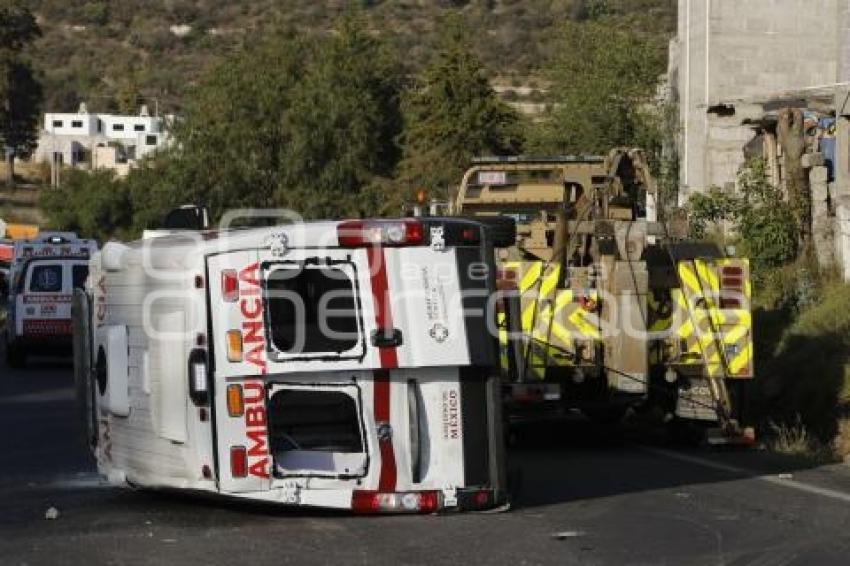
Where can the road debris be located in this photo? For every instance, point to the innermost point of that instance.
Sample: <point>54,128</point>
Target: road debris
<point>563,535</point>
<point>51,514</point>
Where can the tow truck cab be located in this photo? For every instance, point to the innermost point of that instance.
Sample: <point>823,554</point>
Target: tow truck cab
<point>43,274</point>
<point>336,364</point>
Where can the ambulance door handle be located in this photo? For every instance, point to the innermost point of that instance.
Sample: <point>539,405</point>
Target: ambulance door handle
<point>387,338</point>
<point>417,434</point>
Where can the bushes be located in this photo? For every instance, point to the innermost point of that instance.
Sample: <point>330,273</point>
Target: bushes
<point>763,224</point>
<point>805,376</point>
<point>801,319</point>
<point>93,204</point>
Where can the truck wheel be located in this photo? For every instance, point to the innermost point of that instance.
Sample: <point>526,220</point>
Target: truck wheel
<point>16,357</point>
<point>686,433</point>
<point>500,229</point>
<point>605,414</point>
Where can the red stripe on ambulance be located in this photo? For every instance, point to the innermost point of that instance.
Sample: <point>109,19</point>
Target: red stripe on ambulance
<point>389,360</point>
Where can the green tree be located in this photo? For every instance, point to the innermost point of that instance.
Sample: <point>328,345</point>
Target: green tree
<point>603,80</point>
<point>127,96</point>
<point>310,125</point>
<point>100,204</point>
<point>453,114</point>
<point>20,92</point>
<point>230,141</point>
<point>343,125</point>
<point>17,26</point>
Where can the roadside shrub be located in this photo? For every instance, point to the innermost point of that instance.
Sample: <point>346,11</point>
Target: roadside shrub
<point>804,379</point>
<point>93,204</point>
<point>763,226</point>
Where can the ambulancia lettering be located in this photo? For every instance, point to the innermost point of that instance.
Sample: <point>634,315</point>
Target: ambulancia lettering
<point>251,307</point>
<point>256,428</point>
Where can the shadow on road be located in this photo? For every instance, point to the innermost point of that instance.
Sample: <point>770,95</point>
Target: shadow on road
<point>572,461</point>
<point>552,463</point>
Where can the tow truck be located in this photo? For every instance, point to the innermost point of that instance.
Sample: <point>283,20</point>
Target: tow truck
<point>605,308</point>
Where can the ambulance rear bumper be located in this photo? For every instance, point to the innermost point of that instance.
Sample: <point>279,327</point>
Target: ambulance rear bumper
<point>365,502</point>
<point>46,331</point>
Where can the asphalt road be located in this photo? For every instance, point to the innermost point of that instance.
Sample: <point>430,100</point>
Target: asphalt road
<point>587,497</point>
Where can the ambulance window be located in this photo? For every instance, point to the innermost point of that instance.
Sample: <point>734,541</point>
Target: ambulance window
<point>320,421</point>
<point>81,273</point>
<point>46,279</point>
<point>312,310</point>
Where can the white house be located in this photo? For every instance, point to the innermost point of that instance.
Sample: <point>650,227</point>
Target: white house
<point>95,140</point>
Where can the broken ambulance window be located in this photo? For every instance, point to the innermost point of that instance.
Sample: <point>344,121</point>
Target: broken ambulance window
<point>322,421</point>
<point>312,310</point>
<point>317,431</point>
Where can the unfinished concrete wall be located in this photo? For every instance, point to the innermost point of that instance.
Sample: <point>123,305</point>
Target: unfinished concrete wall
<point>841,185</point>
<point>739,54</point>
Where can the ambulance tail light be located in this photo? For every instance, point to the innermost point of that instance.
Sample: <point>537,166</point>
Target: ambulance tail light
<point>238,462</point>
<point>373,502</point>
<point>230,285</point>
<point>199,383</point>
<point>234,345</point>
<point>235,401</point>
<point>363,233</point>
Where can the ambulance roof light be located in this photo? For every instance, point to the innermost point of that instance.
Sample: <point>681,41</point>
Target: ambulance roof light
<point>364,233</point>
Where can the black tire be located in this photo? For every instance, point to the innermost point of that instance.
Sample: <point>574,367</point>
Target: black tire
<point>686,433</point>
<point>501,230</point>
<point>16,357</point>
<point>739,392</point>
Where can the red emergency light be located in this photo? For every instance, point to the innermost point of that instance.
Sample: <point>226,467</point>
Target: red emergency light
<point>229,285</point>
<point>371,502</point>
<point>363,233</point>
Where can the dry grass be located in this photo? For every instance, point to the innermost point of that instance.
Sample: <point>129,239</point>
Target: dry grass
<point>791,439</point>
<point>794,439</point>
<point>842,439</point>
<point>35,173</point>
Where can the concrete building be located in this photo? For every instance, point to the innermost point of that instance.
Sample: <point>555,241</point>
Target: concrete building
<point>732,61</point>
<point>95,140</point>
<point>734,66</point>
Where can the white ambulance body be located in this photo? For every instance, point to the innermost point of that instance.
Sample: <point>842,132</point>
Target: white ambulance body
<point>43,274</point>
<point>208,361</point>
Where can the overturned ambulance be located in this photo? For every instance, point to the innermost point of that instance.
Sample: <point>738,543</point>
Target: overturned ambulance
<point>336,364</point>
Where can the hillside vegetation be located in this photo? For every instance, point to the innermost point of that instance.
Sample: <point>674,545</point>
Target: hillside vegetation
<point>115,55</point>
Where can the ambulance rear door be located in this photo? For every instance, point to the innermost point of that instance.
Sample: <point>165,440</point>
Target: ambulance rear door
<point>264,321</point>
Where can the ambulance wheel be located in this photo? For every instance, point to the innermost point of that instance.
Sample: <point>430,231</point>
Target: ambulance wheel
<point>16,357</point>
